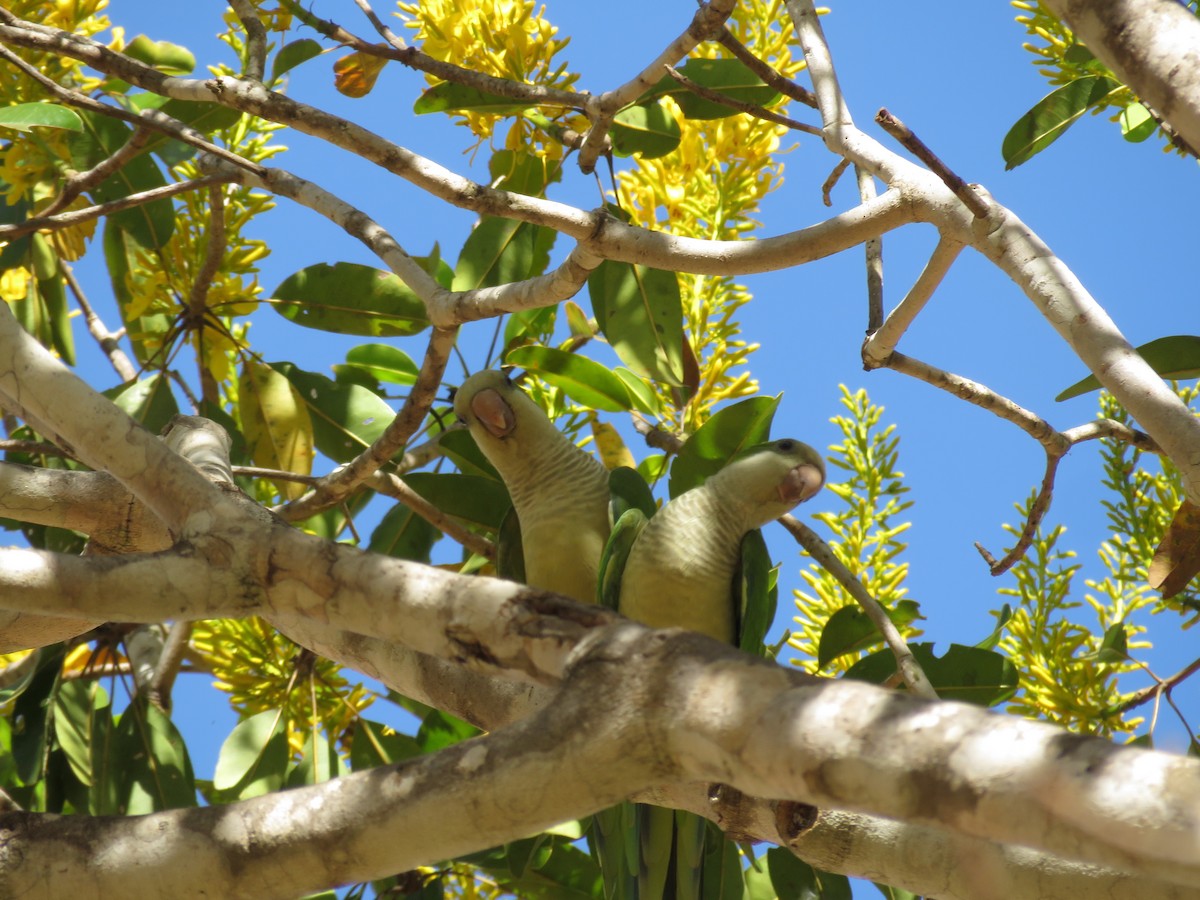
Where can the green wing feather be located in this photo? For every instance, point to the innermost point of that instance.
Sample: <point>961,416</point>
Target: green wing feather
<point>616,553</point>
<point>755,594</point>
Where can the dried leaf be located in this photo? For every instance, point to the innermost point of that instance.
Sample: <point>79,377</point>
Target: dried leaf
<point>1177,558</point>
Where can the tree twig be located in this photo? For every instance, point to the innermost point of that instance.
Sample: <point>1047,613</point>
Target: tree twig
<point>765,71</point>
<point>907,665</point>
<point>917,147</point>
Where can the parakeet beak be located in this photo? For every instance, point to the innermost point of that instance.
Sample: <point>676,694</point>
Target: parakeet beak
<point>801,483</point>
<point>493,413</point>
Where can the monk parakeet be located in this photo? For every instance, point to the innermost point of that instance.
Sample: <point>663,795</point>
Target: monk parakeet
<point>678,570</point>
<point>560,493</point>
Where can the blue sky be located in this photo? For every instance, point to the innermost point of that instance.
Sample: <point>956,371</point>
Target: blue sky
<point>1117,213</point>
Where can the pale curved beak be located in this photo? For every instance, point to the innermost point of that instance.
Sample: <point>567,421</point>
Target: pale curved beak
<point>493,413</point>
<point>801,483</point>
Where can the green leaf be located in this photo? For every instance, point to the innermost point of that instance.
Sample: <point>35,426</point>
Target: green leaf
<point>316,765</point>
<point>27,116</point>
<point>982,677</point>
<point>346,418</point>
<point>169,58</point>
<point>1176,356</point>
<point>850,629</point>
<point>375,744</point>
<point>757,596</point>
<point>441,729</point>
<point>253,759</point>
<point>202,115</point>
<point>150,224</point>
<point>1137,123</point>
<point>462,450</point>
<point>530,325</point>
<point>1002,617</point>
<point>1052,115</point>
<point>510,548</point>
<point>725,435</point>
<point>1113,649</point>
<point>640,312</point>
<point>149,401</point>
<point>451,97</point>
<point>104,799</point>
<point>583,380</point>
<point>73,706</point>
<point>629,490</point>
<point>475,500</point>
<point>647,130</point>
<point>348,298</point>
<point>382,361</point>
<point>275,421</point>
<point>17,249</point>
<point>156,772</point>
<point>120,250</point>
<point>31,714</point>
<point>643,396</point>
<point>292,55</point>
<point>501,251</point>
<point>403,534</point>
<point>731,77</point>
<point>522,172</point>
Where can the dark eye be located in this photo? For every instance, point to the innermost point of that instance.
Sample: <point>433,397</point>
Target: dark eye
<point>785,446</point>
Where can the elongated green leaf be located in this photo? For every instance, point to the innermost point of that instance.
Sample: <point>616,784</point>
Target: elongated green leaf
<point>440,729</point>
<point>162,55</point>
<point>729,431</point>
<point>580,378</point>
<point>253,759</point>
<point>17,249</point>
<point>1052,115</point>
<point>275,421</point>
<point>375,744</point>
<point>348,298</point>
<point>730,77</point>
<point>462,450</point>
<point>647,130</point>
<point>151,224</point>
<point>982,677</point>
<point>403,534</point>
<point>27,116</point>
<point>500,251</point>
<point>849,629</point>
<point>757,596</point>
<point>73,705</point>
<point>640,312</point>
<point>32,710</point>
<point>475,500</point>
<point>104,798</point>
<point>451,97</point>
<point>523,172</point>
<point>317,764</point>
<point>345,418</point>
<point>149,401</point>
<point>292,55</point>
<point>382,361</point>
<point>1176,356</point>
<point>145,331</point>
<point>158,772</point>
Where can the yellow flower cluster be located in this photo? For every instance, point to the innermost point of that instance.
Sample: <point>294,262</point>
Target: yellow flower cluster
<point>257,667</point>
<point>710,187</point>
<point>503,38</point>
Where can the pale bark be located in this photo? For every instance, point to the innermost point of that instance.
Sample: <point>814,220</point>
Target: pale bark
<point>1154,47</point>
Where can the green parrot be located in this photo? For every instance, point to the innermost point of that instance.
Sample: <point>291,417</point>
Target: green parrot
<point>560,493</point>
<point>679,568</point>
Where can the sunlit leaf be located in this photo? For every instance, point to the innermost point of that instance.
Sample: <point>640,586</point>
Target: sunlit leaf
<point>346,418</point>
<point>647,130</point>
<point>1176,356</point>
<point>349,298</point>
<point>171,59</point>
<point>275,422</point>
<point>1053,115</point>
<point>850,629</point>
<point>1137,123</point>
<point>292,55</point>
<point>148,401</point>
<point>640,312</point>
<point>382,362</point>
<point>982,677</point>
<point>27,116</point>
<point>583,380</point>
<point>1177,557</point>
<point>730,77</point>
<point>727,433</point>
<point>451,97</point>
<point>501,251</point>
<point>253,759</point>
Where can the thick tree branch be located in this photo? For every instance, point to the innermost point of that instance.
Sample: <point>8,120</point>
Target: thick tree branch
<point>1152,47</point>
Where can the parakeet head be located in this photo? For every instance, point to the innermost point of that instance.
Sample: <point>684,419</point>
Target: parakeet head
<point>772,478</point>
<point>488,403</point>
